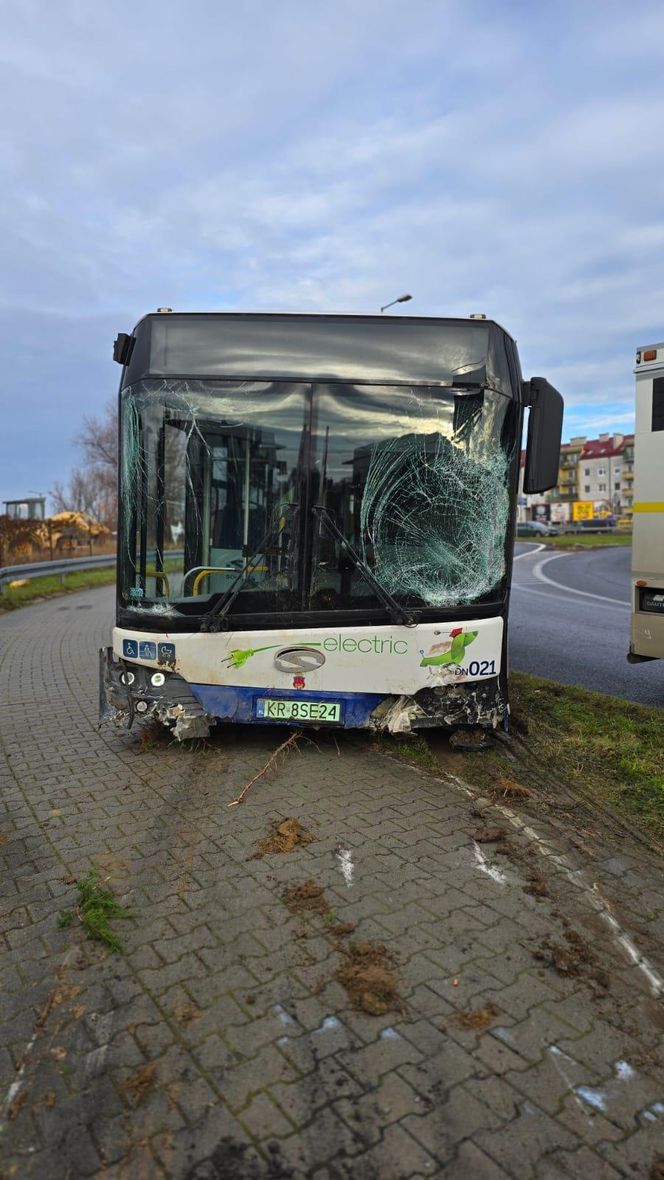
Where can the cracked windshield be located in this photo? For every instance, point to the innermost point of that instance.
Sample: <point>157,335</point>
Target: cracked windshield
<point>236,489</point>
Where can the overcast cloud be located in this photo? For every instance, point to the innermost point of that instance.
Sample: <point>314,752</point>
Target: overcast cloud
<point>494,157</point>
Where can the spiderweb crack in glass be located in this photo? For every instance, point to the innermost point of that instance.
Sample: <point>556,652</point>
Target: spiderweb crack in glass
<point>416,478</point>
<point>434,519</point>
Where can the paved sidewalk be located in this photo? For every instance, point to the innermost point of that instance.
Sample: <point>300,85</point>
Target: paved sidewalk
<point>527,1040</point>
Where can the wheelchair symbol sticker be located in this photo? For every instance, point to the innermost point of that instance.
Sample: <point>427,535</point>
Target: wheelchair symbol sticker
<point>130,649</point>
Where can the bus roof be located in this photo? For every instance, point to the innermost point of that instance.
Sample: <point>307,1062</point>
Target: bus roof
<point>323,346</point>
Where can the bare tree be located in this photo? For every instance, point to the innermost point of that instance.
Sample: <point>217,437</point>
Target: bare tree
<point>93,487</point>
<point>98,439</point>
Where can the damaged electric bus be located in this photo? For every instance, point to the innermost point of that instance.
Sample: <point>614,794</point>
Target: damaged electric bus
<point>317,519</point>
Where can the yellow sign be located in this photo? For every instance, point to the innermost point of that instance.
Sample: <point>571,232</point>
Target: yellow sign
<point>583,510</point>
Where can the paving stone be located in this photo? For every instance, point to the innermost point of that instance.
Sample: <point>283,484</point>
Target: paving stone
<point>471,1162</point>
<point>222,1034</point>
<point>524,1141</point>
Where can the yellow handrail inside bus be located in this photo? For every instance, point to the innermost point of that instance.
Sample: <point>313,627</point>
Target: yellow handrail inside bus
<point>213,569</point>
<point>220,569</point>
<point>152,572</point>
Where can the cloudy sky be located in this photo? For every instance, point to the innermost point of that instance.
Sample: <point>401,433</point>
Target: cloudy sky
<point>500,157</point>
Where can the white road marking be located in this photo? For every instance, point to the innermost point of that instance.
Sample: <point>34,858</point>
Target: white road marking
<point>557,1055</point>
<point>345,859</point>
<point>282,1015</point>
<point>490,870</point>
<point>594,1098</point>
<point>330,1024</point>
<point>530,552</point>
<point>628,945</point>
<point>542,577</point>
<point>519,589</point>
<point>592,892</point>
<point>16,1085</point>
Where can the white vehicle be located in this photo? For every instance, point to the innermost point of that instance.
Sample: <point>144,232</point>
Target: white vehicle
<point>647,638</point>
<point>317,519</point>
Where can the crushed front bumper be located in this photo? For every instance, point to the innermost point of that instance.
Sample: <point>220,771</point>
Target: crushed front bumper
<point>127,691</point>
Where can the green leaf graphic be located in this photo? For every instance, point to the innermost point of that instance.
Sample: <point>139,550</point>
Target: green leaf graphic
<point>454,655</point>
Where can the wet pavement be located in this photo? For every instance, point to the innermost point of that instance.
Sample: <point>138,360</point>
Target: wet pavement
<point>412,992</point>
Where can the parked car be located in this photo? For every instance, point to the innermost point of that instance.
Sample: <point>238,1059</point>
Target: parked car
<point>536,528</point>
<point>597,524</point>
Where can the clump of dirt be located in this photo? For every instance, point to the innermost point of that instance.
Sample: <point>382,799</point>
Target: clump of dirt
<point>490,835</point>
<point>575,959</point>
<point>367,971</point>
<point>306,898</point>
<point>139,1083</point>
<point>469,739</point>
<point>286,835</point>
<point>565,959</point>
<point>507,788</point>
<point>477,1019</point>
<point>342,929</point>
<point>657,1170</point>
<point>537,886</point>
<point>184,1013</point>
<point>14,1108</point>
<point>369,978</point>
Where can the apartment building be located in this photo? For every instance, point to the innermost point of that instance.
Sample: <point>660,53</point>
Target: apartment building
<point>600,470</point>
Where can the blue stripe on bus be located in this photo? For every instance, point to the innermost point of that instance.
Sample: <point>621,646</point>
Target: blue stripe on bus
<point>239,704</point>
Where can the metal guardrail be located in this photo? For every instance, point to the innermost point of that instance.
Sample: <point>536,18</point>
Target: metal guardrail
<point>42,569</point>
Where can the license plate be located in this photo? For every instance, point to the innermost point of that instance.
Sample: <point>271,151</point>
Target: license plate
<point>327,711</point>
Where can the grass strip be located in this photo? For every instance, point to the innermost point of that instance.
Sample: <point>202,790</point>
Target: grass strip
<point>51,586</point>
<point>605,751</point>
<point>586,540</point>
<point>610,747</point>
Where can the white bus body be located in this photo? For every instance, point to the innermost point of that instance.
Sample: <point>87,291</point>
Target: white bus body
<point>647,635</point>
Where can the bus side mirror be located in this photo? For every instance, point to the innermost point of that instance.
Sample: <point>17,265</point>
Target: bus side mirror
<point>123,348</point>
<point>545,430</point>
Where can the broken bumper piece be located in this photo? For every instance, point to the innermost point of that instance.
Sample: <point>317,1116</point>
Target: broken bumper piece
<point>468,704</point>
<point>126,692</point>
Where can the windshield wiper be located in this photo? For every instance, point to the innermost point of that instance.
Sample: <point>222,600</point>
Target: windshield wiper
<point>394,609</point>
<point>216,618</point>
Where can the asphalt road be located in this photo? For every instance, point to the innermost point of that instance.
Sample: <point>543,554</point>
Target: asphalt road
<point>570,619</point>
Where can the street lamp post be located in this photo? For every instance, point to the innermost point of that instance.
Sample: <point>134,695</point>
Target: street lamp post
<point>401,299</point>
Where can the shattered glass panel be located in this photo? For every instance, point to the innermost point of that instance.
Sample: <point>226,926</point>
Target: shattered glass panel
<point>417,480</point>
<point>434,518</point>
<point>223,485</point>
<point>210,483</point>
